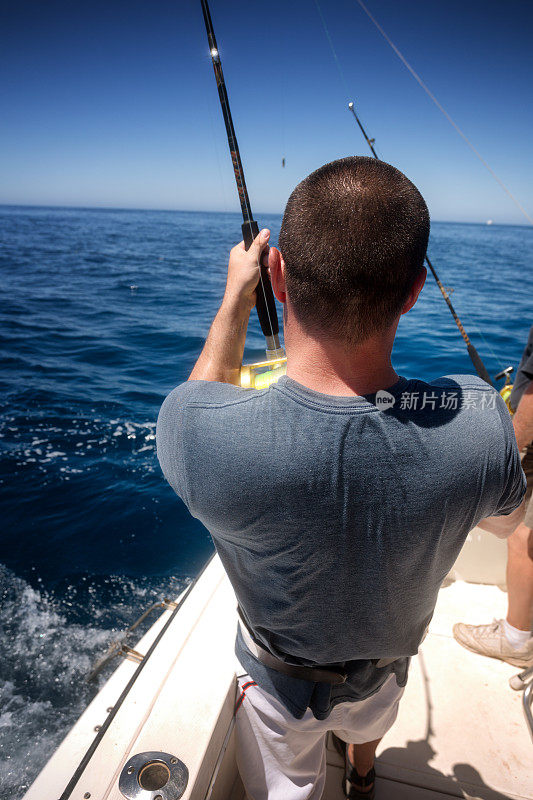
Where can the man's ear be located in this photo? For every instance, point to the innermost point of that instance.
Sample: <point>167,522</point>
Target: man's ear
<point>276,268</point>
<point>415,290</point>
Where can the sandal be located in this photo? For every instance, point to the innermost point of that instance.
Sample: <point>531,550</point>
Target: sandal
<point>353,782</point>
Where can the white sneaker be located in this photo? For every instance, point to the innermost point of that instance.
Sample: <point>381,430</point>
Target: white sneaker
<point>490,640</point>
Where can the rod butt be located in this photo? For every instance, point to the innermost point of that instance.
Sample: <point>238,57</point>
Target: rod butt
<point>478,364</point>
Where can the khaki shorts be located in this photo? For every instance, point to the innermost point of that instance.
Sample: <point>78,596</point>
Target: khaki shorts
<point>527,466</point>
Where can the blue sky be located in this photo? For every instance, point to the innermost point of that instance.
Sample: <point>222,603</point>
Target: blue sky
<point>115,104</point>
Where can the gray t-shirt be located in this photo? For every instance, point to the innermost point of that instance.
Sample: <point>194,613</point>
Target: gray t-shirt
<point>337,518</point>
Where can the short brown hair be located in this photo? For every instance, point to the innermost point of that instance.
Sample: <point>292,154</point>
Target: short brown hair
<point>353,238</point>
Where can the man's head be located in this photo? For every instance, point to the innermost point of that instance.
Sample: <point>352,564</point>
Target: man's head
<point>353,239</point>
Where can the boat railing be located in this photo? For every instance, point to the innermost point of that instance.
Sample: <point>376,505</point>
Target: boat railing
<point>119,647</point>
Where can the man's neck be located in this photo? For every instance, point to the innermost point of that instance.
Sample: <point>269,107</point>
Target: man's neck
<point>335,368</point>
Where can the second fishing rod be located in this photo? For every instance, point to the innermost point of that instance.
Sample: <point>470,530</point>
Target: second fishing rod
<point>479,366</point>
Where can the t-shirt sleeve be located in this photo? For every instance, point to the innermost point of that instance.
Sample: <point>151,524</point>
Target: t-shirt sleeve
<point>514,480</point>
<point>524,373</point>
<point>178,421</point>
<point>169,437</point>
<point>527,367</point>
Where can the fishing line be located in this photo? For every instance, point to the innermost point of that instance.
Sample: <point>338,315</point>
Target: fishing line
<point>283,92</point>
<point>489,348</point>
<point>334,52</point>
<point>472,324</point>
<point>219,161</point>
<point>441,108</point>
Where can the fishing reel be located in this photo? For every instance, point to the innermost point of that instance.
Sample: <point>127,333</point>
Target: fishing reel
<point>263,374</point>
<point>507,387</point>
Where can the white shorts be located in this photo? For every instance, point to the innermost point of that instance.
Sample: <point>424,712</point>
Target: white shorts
<point>283,758</point>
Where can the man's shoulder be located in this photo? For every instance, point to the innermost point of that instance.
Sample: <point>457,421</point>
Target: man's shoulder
<point>468,389</point>
<point>208,394</point>
<point>187,420</point>
<point>464,401</point>
<point>464,382</point>
<point>482,406</point>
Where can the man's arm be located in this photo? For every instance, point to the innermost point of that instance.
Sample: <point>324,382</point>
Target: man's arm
<point>523,427</point>
<point>221,357</point>
<point>523,418</point>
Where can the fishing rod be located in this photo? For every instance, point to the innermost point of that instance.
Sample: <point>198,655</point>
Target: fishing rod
<point>370,142</point>
<point>479,366</point>
<point>265,303</point>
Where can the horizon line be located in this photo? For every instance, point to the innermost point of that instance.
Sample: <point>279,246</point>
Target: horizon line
<point>237,213</point>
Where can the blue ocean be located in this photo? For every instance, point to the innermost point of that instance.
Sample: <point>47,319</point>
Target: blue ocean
<point>103,312</point>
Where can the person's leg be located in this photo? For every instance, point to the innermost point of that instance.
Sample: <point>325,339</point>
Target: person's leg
<point>279,757</point>
<point>510,639</point>
<point>362,756</point>
<point>519,580</point>
<point>361,725</point>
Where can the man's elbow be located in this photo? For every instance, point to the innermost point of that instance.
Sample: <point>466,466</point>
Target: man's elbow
<point>497,529</point>
<point>503,526</point>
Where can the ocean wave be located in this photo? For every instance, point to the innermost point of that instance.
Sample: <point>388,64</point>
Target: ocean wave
<point>34,440</point>
<point>49,642</point>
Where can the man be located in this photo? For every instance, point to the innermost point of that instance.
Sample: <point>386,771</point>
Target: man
<point>339,498</point>
<point>511,639</point>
